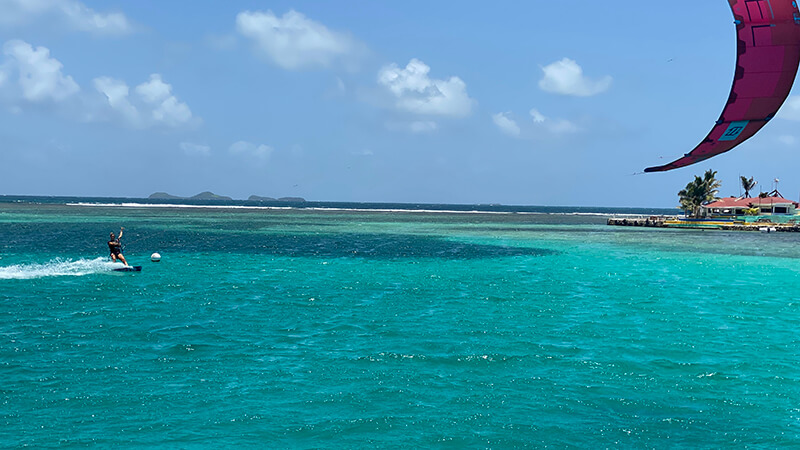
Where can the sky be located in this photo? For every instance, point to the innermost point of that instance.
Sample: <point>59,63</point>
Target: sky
<point>471,102</point>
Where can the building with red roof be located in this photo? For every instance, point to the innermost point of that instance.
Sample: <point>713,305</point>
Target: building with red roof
<point>736,206</point>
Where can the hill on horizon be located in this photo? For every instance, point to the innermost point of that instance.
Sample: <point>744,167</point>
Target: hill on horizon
<point>208,195</point>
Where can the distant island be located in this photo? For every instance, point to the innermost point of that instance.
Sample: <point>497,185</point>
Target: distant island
<point>201,196</point>
<point>212,196</point>
<point>164,196</point>
<point>256,198</point>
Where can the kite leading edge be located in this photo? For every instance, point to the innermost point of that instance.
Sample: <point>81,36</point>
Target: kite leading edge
<point>768,54</point>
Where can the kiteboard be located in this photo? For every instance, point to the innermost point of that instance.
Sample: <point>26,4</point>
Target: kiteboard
<point>128,269</point>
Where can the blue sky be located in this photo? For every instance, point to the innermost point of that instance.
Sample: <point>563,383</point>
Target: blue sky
<point>530,103</point>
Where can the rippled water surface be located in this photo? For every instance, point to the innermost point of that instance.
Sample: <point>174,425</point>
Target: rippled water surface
<point>352,329</point>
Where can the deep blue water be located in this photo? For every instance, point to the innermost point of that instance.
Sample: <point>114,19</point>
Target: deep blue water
<point>364,326</point>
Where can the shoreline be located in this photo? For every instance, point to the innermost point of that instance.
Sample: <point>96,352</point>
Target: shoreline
<point>710,224</point>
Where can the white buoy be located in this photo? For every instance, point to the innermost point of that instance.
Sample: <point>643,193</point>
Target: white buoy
<point>155,257</point>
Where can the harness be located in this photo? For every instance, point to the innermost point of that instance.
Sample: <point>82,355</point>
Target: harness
<point>115,247</point>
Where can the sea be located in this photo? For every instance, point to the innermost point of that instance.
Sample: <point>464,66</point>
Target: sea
<point>346,325</point>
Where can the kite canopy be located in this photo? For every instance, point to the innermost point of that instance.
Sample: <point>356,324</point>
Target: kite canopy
<point>768,53</point>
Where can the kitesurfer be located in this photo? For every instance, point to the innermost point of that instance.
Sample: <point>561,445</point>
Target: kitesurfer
<point>115,247</point>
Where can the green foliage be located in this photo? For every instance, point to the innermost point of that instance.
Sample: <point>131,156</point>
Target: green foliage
<point>748,184</point>
<point>699,191</point>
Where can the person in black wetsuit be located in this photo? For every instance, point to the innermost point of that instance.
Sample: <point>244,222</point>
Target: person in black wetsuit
<point>115,247</point>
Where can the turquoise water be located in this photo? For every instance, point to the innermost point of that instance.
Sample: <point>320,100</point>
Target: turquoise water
<point>300,328</point>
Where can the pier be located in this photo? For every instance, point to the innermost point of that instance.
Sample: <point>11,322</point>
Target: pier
<point>705,224</point>
<point>652,221</point>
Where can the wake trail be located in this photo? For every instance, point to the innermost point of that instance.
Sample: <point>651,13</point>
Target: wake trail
<point>57,268</point>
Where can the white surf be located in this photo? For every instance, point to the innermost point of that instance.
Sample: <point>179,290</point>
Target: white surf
<point>57,268</point>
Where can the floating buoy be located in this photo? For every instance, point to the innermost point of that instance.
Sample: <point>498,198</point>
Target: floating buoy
<point>155,257</point>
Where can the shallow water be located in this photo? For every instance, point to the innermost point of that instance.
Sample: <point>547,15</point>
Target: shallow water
<point>348,329</point>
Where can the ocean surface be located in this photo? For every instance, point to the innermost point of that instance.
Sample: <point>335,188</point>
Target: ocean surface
<point>391,326</point>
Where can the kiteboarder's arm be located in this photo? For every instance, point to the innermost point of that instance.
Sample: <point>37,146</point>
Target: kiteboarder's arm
<point>120,233</point>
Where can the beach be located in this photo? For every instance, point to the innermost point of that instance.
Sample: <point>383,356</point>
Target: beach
<point>355,326</point>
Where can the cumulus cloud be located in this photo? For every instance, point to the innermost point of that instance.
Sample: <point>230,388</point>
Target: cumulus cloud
<point>566,77</point>
<point>259,153</point>
<point>294,41</point>
<point>29,75</point>
<point>40,76</point>
<point>539,126</point>
<point>554,126</point>
<point>537,116</point>
<point>195,149</point>
<point>414,91</point>
<point>167,109</point>
<point>155,90</point>
<point>506,124</point>
<point>73,13</point>
<point>116,93</point>
<point>152,104</point>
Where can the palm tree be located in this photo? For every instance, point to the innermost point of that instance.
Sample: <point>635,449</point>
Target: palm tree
<point>712,185</point>
<point>748,184</point>
<point>700,191</point>
<point>691,196</point>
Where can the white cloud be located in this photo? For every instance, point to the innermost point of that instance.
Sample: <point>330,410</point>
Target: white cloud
<point>72,13</point>
<point>540,125</point>
<point>417,93</point>
<point>566,77</point>
<point>195,149</point>
<point>506,124</point>
<point>155,90</point>
<point>258,152</point>
<point>554,126</point>
<point>41,80</point>
<point>85,19</point>
<point>40,76</point>
<point>167,109</point>
<point>537,116</point>
<point>152,103</point>
<point>116,93</point>
<point>295,41</point>
<point>172,112</point>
